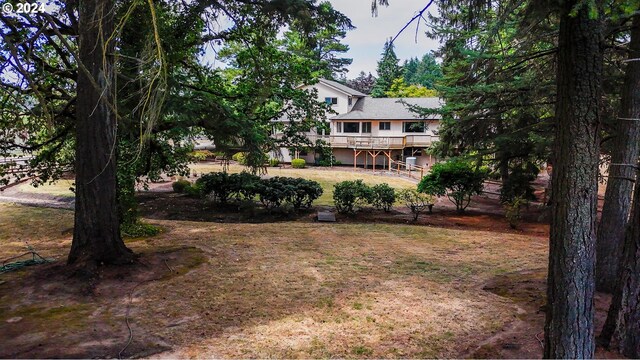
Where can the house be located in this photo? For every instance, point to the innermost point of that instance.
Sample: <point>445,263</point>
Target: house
<point>374,131</point>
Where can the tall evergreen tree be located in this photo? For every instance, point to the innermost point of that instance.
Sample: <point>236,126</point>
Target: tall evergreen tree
<point>569,326</point>
<point>621,331</point>
<point>626,145</point>
<point>388,70</point>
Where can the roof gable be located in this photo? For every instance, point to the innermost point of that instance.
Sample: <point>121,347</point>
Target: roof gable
<point>342,88</point>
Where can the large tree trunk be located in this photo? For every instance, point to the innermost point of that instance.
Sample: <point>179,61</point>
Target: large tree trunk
<point>96,235</point>
<point>569,328</point>
<point>617,200</point>
<point>621,331</point>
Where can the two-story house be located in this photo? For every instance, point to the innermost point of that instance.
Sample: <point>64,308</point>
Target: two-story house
<point>370,131</point>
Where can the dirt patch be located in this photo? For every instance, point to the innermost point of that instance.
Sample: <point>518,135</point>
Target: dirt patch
<point>42,307</point>
<point>523,336</point>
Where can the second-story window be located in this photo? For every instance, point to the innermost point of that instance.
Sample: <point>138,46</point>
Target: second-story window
<point>351,127</point>
<point>413,127</point>
<point>366,127</point>
<point>350,100</point>
<point>385,125</point>
<point>331,100</point>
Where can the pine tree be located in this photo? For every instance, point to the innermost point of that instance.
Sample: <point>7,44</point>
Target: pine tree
<point>388,70</point>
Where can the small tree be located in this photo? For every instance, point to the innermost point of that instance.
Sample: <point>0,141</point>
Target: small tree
<point>415,201</point>
<point>457,179</point>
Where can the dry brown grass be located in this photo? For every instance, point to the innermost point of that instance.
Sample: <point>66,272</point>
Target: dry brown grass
<point>299,289</point>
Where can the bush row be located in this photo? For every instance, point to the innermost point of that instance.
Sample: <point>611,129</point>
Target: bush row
<point>273,192</point>
<point>349,196</point>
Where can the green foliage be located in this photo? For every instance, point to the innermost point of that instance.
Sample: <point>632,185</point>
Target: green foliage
<point>216,185</point>
<point>416,201</point>
<point>180,186</point>
<point>513,208</point>
<point>298,163</point>
<point>388,70</point>
<point>201,155</point>
<point>193,190</point>
<point>384,196</point>
<point>457,179</point>
<point>324,154</point>
<point>139,229</point>
<point>400,89</point>
<point>299,193</point>
<point>348,196</point>
<point>425,72</point>
<point>273,162</point>
<point>240,158</point>
<point>243,186</point>
<point>518,183</point>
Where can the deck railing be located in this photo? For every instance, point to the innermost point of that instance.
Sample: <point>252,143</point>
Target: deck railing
<point>373,142</point>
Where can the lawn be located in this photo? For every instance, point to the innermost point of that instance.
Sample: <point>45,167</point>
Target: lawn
<point>327,177</point>
<point>294,289</point>
<point>61,188</point>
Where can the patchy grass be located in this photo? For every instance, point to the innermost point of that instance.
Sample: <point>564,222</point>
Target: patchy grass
<point>59,188</point>
<point>289,289</point>
<point>325,176</point>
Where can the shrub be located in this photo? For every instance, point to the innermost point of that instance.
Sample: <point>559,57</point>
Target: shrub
<point>384,196</point>
<point>456,179</point>
<point>244,185</point>
<point>273,192</point>
<point>305,193</point>
<point>350,195</point>
<point>273,162</point>
<point>240,158</point>
<point>300,193</point>
<point>180,186</point>
<point>416,202</point>
<point>193,190</point>
<point>513,209</point>
<point>215,184</point>
<point>298,163</point>
<point>201,155</point>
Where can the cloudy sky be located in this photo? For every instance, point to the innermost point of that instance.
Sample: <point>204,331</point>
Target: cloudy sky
<point>367,40</point>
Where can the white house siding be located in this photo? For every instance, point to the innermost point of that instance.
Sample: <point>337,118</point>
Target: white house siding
<point>325,91</point>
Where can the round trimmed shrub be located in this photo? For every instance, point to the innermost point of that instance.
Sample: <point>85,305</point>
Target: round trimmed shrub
<point>180,186</point>
<point>298,163</point>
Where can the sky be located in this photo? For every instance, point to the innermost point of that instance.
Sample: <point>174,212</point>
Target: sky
<point>367,40</point>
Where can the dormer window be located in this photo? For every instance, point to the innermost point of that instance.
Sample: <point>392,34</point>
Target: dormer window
<point>331,100</point>
<point>350,100</point>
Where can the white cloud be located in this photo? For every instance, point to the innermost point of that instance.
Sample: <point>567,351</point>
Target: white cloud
<point>367,40</point>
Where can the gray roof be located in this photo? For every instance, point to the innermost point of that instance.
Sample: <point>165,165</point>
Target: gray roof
<point>343,88</point>
<point>369,108</point>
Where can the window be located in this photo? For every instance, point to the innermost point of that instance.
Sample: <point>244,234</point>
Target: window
<point>338,127</point>
<point>331,100</point>
<point>366,127</point>
<point>350,100</point>
<point>413,127</point>
<point>385,125</point>
<point>351,127</point>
